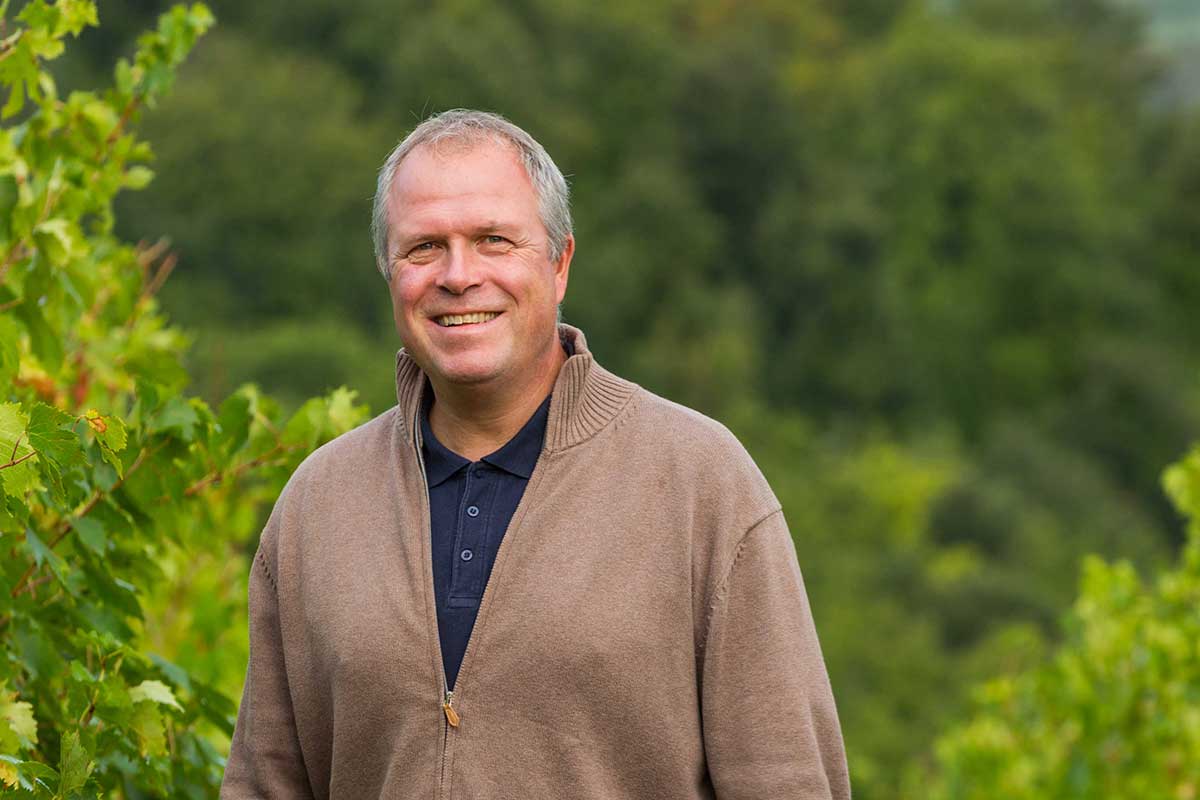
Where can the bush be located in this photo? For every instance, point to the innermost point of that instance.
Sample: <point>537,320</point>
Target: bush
<point>1116,713</point>
<point>110,476</point>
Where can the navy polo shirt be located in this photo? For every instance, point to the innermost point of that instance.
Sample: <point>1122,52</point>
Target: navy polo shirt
<point>471,504</point>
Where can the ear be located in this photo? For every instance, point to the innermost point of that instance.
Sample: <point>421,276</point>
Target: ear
<point>562,268</point>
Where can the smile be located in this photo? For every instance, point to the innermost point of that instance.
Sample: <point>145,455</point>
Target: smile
<point>450,320</point>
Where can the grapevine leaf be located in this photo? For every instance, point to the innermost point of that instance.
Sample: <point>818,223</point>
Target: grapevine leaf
<point>8,523</point>
<point>91,533</point>
<point>45,341</point>
<point>177,415</point>
<point>234,420</point>
<point>43,554</point>
<point>147,723</point>
<point>10,354</point>
<point>53,238</point>
<point>19,716</point>
<point>155,691</point>
<point>13,423</point>
<point>30,775</point>
<point>114,436</point>
<point>138,177</point>
<point>342,412</point>
<point>74,764</point>
<point>51,435</point>
<point>18,473</point>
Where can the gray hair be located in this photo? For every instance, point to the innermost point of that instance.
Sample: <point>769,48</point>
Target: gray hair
<point>466,125</point>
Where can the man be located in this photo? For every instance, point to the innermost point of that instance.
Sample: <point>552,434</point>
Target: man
<point>530,578</point>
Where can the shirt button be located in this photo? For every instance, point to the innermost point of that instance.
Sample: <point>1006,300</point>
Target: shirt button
<point>472,511</point>
<point>466,555</point>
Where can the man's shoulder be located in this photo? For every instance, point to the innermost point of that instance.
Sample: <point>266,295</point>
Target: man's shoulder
<point>695,448</point>
<point>681,426</point>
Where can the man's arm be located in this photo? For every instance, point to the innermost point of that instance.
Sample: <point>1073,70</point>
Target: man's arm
<point>770,725</point>
<point>265,759</point>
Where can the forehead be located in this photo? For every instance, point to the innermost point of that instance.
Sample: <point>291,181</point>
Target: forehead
<point>454,182</point>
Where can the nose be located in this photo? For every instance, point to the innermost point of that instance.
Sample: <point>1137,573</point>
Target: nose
<point>460,271</point>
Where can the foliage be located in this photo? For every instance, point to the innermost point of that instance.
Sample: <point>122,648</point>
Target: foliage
<point>1116,712</point>
<point>109,473</point>
<point>947,246</point>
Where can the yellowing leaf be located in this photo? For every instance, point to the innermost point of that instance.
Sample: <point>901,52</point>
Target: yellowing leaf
<point>154,691</point>
<point>19,716</point>
<point>8,774</point>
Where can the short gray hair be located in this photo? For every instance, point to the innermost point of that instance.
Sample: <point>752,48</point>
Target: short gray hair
<point>466,125</point>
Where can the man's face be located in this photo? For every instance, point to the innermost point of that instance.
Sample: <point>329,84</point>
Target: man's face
<point>474,292</point>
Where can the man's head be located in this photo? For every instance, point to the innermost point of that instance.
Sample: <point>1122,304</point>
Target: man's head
<point>474,237</point>
<point>464,126</point>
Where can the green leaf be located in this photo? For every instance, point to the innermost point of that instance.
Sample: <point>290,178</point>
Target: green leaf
<point>342,412</point>
<point>114,436</point>
<point>234,421</point>
<point>45,340</point>
<point>75,764</point>
<point>179,415</point>
<point>147,723</point>
<point>18,472</point>
<point>10,353</point>
<point>154,691</point>
<point>138,177</point>
<point>13,422</point>
<point>51,434</point>
<point>55,240</point>
<point>44,555</point>
<point>91,533</point>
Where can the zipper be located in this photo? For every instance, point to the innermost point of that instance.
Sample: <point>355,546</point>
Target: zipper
<point>447,698</point>
<point>451,714</point>
<point>452,719</point>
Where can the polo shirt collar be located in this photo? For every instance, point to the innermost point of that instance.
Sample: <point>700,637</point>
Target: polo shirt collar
<point>518,456</point>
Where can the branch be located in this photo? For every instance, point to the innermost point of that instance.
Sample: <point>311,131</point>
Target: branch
<point>16,461</point>
<point>216,477</point>
<point>23,583</point>
<point>15,253</point>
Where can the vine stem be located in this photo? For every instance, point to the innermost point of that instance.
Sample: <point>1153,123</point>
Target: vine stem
<point>23,583</point>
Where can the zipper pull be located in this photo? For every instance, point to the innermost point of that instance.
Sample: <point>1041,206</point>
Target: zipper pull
<point>451,714</point>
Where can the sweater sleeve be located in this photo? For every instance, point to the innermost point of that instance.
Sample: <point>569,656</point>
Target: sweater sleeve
<point>265,760</point>
<point>770,725</point>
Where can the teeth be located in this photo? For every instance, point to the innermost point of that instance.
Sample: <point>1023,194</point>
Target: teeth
<point>464,319</point>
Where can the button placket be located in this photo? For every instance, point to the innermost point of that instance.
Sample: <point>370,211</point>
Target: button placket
<point>466,582</point>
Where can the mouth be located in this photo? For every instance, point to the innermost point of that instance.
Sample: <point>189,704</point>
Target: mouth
<point>474,318</point>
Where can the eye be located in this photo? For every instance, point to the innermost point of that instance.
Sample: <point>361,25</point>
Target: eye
<point>421,252</point>
<point>494,239</point>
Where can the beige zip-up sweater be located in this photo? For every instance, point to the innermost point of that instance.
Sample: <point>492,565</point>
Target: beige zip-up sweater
<point>644,632</point>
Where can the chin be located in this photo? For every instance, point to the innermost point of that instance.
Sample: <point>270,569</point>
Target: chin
<point>464,372</point>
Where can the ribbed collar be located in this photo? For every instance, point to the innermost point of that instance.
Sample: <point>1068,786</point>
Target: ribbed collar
<point>586,397</point>
<point>517,456</point>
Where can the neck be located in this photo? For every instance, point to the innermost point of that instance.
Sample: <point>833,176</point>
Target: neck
<point>479,419</point>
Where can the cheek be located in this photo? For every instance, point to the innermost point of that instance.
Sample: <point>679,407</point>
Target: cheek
<point>406,294</point>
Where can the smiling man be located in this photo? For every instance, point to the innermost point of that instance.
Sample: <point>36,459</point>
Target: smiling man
<point>529,578</point>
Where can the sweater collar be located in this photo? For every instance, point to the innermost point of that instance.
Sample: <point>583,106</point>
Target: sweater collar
<point>585,399</point>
